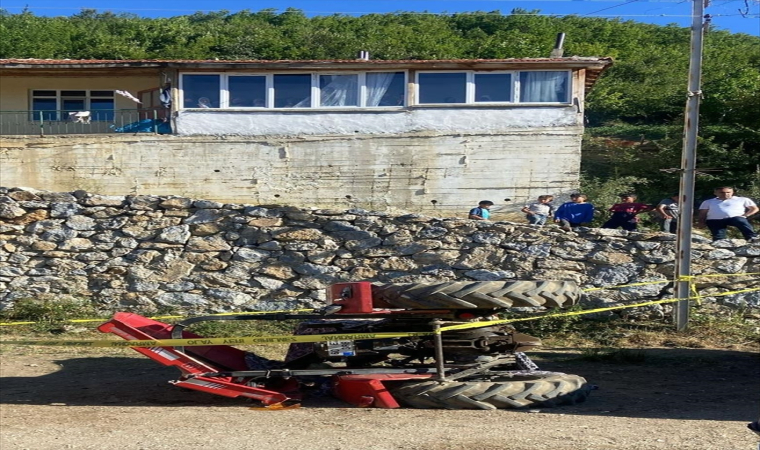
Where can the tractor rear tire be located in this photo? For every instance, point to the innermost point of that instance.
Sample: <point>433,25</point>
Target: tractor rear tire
<point>546,389</point>
<point>479,294</point>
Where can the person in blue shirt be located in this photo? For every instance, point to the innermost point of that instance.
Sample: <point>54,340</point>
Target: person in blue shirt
<point>574,213</point>
<point>481,212</point>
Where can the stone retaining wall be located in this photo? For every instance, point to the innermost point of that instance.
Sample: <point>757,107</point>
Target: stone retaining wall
<point>149,254</point>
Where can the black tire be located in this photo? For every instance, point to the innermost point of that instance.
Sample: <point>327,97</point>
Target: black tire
<point>546,389</point>
<point>479,294</point>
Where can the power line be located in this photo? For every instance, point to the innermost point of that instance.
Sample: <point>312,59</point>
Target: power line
<point>614,6</point>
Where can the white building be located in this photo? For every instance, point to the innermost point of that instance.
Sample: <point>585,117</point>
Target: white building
<point>425,136</point>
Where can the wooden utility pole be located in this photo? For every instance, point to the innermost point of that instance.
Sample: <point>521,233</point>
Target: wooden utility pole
<point>688,166</point>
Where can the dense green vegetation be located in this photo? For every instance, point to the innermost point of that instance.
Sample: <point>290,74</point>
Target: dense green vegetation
<point>635,111</point>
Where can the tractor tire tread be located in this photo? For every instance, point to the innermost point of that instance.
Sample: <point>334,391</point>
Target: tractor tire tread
<point>479,294</point>
<point>544,390</point>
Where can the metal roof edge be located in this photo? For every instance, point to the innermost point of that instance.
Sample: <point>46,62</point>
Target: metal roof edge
<point>573,62</point>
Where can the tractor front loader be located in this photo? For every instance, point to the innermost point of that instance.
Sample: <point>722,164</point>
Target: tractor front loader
<point>382,347</point>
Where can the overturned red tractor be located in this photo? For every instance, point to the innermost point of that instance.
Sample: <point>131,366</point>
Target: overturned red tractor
<point>382,345</point>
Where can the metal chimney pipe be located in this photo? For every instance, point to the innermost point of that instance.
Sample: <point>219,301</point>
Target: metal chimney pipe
<point>557,51</point>
<point>363,55</point>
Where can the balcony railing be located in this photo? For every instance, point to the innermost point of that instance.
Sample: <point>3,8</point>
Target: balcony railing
<point>57,122</point>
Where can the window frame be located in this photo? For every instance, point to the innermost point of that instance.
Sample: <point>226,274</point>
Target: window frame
<point>512,89</point>
<point>224,82</point>
<point>316,91</point>
<point>568,89</point>
<point>59,114</point>
<point>515,89</point>
<point>467,81</point>
<point>470,86</point>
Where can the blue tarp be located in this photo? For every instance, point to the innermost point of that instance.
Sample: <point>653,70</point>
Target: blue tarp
<point>146,126</point>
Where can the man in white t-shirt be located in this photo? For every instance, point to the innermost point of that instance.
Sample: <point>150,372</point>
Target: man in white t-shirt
<point>726,210</point>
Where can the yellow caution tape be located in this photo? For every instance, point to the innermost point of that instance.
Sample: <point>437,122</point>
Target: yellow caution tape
<point>287,339</point>
<point>465,326</point>
<point>197,342</point>
<point>689,278</point>
<point>169,317</point>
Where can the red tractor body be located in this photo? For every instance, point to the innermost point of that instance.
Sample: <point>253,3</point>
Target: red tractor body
<point>365,367</point>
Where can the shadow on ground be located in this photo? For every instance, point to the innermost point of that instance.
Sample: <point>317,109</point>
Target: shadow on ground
<point>103,380</point>
<point>686,384</point>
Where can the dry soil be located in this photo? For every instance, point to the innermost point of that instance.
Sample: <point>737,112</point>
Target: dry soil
<point>59,398</point>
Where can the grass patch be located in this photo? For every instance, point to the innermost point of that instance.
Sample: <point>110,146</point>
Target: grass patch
<point>49,314</point>
<point>60,314</point>
<point>238,328</point>
<point>709,327</point>
<point>242,328</point>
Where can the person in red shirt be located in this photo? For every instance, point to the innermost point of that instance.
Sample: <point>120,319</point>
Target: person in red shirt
<point>625,213</point>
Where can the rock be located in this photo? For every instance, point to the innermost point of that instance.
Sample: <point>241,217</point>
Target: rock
<point>207,204</point>
<point>81,223</point>
<point>203,256</point>
<point>289,234</point>
<point>205,216</point>
<point>58,210</point>
<point>207,244</point>
<point>315,269</point>
<point>178,234</point>
<point>176,203</point>
<point>104,200</point>
<point>10,209</point>
<point>250,254</point>
<point>489,275</point>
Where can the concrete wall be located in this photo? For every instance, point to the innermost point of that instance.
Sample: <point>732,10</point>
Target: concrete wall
<point>350,122</point>
<point>146,254</point>
<point>438,173</point>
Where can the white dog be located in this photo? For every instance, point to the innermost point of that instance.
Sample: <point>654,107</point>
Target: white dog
<point>80,116</point>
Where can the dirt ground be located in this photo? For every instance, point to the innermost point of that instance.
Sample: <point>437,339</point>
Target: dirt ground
<point>74,398</point>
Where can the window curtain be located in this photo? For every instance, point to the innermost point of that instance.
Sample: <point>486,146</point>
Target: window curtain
<point>545,87</point>
<point>339,90</point>
<point>377,86</point>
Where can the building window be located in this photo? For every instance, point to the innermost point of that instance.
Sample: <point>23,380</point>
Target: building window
<point>201,91</point>
<point>544,87</point>
<point>385,89</point>
<point>339,90</point>
<point>370,89</point>
<point>248,91</point>
<point>471,87</point>
<point>436,87</point>
<point>493,87</point>
<point>292,91</point>
<point>305,90</point>
<point>57,104</point>
<point>45,105</point>
<point>101,106</point>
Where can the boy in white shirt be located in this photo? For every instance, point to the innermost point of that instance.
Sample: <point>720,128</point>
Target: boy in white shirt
<point>539,211</point>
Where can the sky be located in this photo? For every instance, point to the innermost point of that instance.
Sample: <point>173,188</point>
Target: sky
<point>735,16</point>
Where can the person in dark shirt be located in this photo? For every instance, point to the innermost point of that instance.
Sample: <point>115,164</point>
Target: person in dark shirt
<point>668,212</point>
<point>625,213</point>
